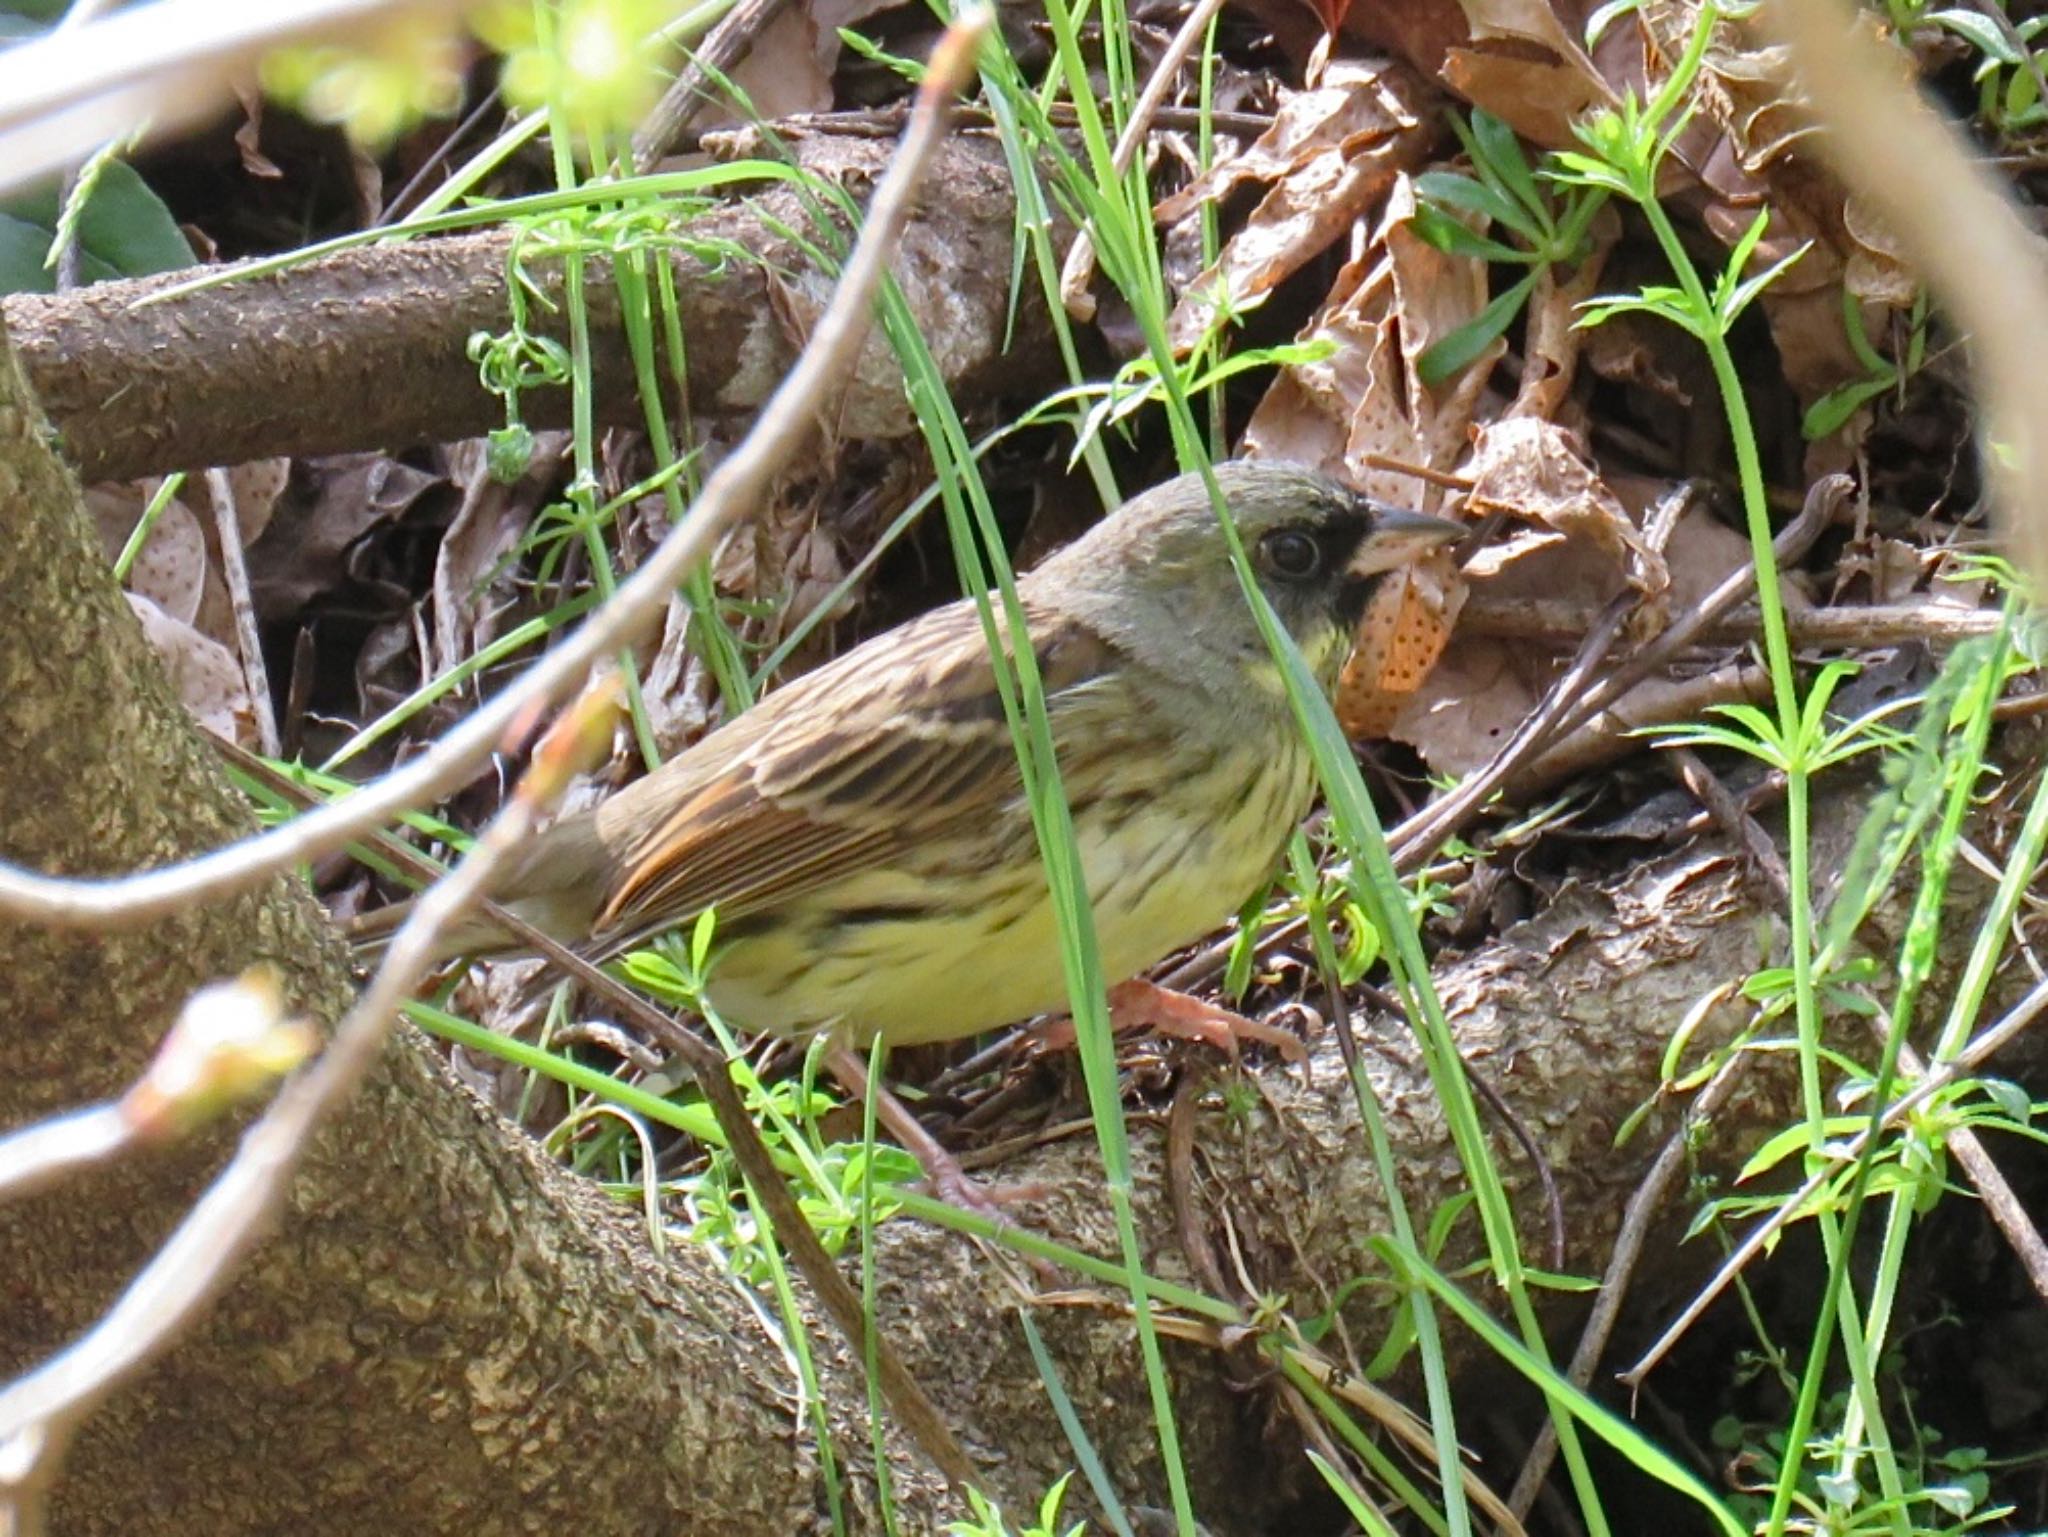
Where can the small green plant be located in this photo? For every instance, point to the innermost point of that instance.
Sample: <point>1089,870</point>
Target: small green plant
<point>988,1520</point>
<point>2008,73</point>
<point>1550,228</point>
<point>119,227</point>
<point>1881,374</point>
<point>1944,1492</point>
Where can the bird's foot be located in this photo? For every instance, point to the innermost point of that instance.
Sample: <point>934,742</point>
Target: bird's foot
<point>948,1182</point>
<point>1142,1005</point>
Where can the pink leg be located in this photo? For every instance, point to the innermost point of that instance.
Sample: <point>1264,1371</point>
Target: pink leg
<point>1141,1005</point>
<point>1138,1004</point>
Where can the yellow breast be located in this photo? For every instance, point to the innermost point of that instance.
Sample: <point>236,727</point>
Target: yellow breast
<point>946,947</point>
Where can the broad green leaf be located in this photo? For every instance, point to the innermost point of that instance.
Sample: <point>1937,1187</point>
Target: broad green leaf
<point>124,231</point>
<point>1979,31</point>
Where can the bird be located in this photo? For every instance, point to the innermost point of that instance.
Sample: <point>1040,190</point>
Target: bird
<point>863,838</point>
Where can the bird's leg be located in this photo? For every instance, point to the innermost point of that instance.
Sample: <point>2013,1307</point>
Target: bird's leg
<point>1138,1004</point>
<point>1141,1005</point>
<point>949,1182</point>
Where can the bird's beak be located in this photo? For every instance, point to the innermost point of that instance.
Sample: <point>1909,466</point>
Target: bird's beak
<point>1398,537</point>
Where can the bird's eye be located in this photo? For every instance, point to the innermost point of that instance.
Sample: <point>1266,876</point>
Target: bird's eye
<point>1292,554</point>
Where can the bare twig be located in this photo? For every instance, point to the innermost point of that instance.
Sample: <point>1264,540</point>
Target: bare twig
<point>733,490</point>
<point>1079,266</point>
<point>690,92</point>
<point>1616,731</point>
<point>1734,819</point>
<point>39,1156</point>
<point>234,565</point>
<point>2007,1210</point>
<point>1843,627</point>
<point>1425,832</point>
<point>231,1040</point>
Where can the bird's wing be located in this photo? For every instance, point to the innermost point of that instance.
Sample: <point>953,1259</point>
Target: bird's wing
<point>891,745</point>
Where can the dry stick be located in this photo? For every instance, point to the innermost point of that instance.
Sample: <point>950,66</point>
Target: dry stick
<point>1423,833</point>
<point>1734,819</point>
<point>42,1410</point>
<point>234,565</point>
<point>36,1157</point>
<point>690,92</point>
<point>1993,1188</point>
<point>1416,839</point>
<point>2022,1015</point>
<point>1612,733</point>
<point>1878,624</point>
<point>880,122</point>
<point>1080,263</point>
<point>1629,1241</point>
<point>734,490</point>
<point>67,93</point>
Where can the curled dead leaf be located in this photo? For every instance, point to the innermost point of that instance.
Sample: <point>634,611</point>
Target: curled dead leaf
<point>208,678</point>
<point>1332,153</point>
<point>1531,469</point>
<point>1365,402</point>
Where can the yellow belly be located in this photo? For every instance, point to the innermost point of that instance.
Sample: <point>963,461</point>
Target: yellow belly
<point>919,965</point>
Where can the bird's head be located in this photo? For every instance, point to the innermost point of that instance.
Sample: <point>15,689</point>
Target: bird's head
<point>1156,576</point>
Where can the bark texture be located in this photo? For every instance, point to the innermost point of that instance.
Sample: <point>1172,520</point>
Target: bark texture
<point>449,1334</point>
<point>367,349</point>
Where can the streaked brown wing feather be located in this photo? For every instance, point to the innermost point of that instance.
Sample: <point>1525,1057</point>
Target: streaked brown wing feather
<point>894,744</point>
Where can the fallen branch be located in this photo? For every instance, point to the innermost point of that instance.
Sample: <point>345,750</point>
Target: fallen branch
<point>367,349</point>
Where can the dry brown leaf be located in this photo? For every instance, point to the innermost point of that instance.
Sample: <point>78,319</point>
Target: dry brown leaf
<point>1539,100</point>
<point>787,70</point>
<point>1332,152</point>
<point>1877,269</point>
<point>256,487</point>
<point>339,500</point>
<point>679,689</point>
<point>1482,689</point>
<point>1521,61</point>
<point>1531,469</point>
<point>472,576</point>
<point>171,569</point>
<point>206,674</point>
<point>1365,400</point>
